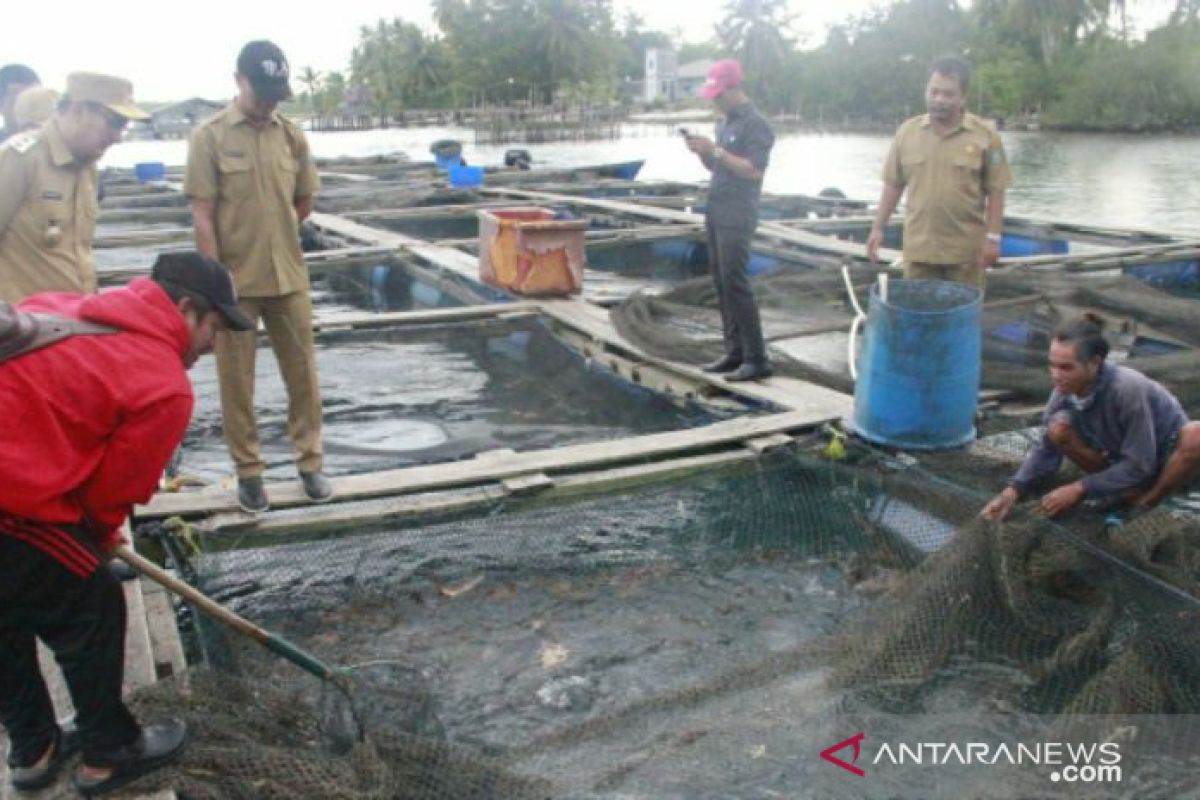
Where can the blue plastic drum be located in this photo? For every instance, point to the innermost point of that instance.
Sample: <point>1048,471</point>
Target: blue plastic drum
<point>919,371</point>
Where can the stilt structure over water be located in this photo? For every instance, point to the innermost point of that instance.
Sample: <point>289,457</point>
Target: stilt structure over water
<point>540,125</point>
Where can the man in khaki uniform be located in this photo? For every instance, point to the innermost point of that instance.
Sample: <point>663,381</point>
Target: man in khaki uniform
<point>14,79</point>
<point>251,181</point>
<point>953,165</point>
<point>34,107</point>
<point>48,205</point>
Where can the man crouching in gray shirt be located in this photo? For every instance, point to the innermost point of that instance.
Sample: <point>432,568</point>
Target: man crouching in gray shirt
<point>1127,432</point>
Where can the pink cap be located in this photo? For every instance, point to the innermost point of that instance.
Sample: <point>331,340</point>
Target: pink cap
<point>722,76</point>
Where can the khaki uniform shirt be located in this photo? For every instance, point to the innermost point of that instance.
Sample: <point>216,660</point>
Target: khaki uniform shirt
<point>948,179</point>
<point>254,177</point>
<point>48,210</point>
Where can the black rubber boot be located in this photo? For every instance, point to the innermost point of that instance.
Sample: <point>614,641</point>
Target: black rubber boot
<point>317,486</point>
<point>725,363</point>
<point>751,372</point>
<point>252,496</point>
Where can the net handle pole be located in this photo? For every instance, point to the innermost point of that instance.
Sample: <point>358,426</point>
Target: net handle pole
<point>859,317</point>
<point>277,644</point>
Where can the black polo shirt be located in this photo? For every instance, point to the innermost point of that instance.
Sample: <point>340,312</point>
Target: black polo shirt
<point>733,200</point>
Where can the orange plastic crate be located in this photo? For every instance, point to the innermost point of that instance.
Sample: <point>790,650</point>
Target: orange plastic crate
<point>526,251</point>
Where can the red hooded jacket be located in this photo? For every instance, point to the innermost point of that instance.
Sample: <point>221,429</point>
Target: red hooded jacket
<point>88,424</point>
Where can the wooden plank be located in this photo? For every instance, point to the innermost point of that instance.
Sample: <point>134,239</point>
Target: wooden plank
<point>423,317</point>
<point>139,657</point>
<point>321,257</point>
<point>180,236</point>
<point>162,625</point>
<point>498,454</point>
<point>476,471</point>
<point>765,444</point>
<point>780,392</point>
<point>247,526</point>
<point>1108,259</point>
<point>594,321</point>
<point>531,483</point>
<point>329,516</point>
<point>811,241</point>
<point>181,215</point>
<point>676,388</point>
<point>423,212</point>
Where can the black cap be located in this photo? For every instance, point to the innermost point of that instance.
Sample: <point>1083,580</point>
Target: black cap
<point>265,66</point>
<point>17,75</point>
<point>197,273</point>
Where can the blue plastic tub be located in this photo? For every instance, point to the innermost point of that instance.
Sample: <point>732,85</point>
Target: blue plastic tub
<point>1168,275</point>
<point>466,177</point>
<point>627,170</point>
<point>148,171</point>
<point>1014,245</point>
<point>919,371</point>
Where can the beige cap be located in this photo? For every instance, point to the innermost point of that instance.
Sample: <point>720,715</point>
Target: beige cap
<point>34,106</point>
<point>115,94</point>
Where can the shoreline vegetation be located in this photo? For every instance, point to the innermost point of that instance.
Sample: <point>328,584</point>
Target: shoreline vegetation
<point>1063,65</point>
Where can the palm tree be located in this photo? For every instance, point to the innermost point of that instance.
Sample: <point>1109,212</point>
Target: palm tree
<point>753,31</point>
<point>563,41</point>
<point>422,63</point>
<point>1055,23</point>
<point>311,80</point>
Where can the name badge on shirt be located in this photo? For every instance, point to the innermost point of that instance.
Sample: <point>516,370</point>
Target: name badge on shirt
<point>51,195</point>
<point>234,153</point>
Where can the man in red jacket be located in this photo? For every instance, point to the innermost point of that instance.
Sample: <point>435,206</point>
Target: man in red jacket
<point>88,425</point>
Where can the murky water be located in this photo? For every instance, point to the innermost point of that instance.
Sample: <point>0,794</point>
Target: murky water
<point>1122,181</point>
<point>402,397</point>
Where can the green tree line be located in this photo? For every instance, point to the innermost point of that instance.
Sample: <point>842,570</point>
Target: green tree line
<point>1072,63</point>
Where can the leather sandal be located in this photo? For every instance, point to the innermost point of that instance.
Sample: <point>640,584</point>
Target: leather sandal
<point>155,747</point>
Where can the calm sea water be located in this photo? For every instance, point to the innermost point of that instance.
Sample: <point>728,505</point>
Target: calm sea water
<point>1120,181</point>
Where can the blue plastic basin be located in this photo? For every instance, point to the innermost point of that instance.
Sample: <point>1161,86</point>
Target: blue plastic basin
<point>919,372</point>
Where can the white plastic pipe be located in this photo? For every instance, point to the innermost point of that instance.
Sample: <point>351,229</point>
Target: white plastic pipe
<point>859,317</point>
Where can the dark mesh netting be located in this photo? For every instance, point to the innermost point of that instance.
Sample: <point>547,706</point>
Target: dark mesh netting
<point>1153,329</point>
<point>702,637</point>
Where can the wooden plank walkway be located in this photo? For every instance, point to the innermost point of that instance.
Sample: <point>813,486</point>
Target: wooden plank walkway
<point>806,405</point>
<point>593,321</point>
<point>1186,248</point>
<point>811,241</point>
<point>313,518</point>
<point>488,469</point>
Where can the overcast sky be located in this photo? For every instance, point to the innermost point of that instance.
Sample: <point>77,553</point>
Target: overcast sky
<point>175,51</point>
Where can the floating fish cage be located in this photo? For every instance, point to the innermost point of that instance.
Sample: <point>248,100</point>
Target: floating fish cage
<point>564,562</point>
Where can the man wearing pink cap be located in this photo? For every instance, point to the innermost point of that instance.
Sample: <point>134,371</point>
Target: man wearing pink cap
<point>737,161</point>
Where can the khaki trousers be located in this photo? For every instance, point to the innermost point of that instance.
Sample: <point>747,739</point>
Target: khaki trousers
<point>970,274</point>
<point>288,320</point>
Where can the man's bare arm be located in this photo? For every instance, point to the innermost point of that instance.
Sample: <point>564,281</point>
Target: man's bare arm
<point>889,198</point>
<point>990,251</point>
<point>304,207</point>
<point>204,221</point>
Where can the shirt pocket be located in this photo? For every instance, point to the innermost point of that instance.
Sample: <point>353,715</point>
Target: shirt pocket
<point>52,218</point>
<point>971,165</point>
<point>237,178</point>
<point>286,170</point>
<point>912,168</point>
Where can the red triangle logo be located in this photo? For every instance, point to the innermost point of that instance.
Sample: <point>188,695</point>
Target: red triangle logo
<point>853,741</point>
